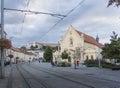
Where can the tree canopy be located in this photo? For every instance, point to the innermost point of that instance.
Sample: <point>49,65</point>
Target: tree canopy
<point>112,50</point>
<point>23,47</point>
<point>33,47</point>
<point>64,55</point>
<point>48,54</point>
<point>115,2</point>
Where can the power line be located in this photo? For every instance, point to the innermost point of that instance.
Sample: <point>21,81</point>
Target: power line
<point>36,12</point>
<point>62,18</point>
<point>23,23</point>
<point>28,3</point>
<point>24,16</point>
<point>75,7</point>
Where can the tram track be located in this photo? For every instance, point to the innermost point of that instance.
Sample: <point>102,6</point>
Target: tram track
<point>87,75</point>
<point>39,81</point>
<point>62,77</point>
<point>73,78</point>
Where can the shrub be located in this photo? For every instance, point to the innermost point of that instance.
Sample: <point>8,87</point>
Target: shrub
<point>94,63</point>
<point>91,63</point>
<point>64,64</point>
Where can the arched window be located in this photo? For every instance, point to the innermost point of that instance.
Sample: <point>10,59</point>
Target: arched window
<point>91,56</point>
<point>71,42</point>
<point>87,57</point>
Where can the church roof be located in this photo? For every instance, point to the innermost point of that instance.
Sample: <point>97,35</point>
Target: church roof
<point>90,39</point>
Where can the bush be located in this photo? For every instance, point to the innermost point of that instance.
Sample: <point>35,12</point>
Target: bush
<point>91,63</point>
<point>64,64</point>
<point>116,67</point>
<point>107,65</point>
<point>94,63</point>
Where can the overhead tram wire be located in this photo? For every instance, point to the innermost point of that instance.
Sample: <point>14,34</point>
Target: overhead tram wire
<point>22,23</point>
<point>62,18</point>
<point>36,12</point>
<point>24,16</point>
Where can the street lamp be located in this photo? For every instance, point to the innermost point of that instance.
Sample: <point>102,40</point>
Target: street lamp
<point>11,53</point>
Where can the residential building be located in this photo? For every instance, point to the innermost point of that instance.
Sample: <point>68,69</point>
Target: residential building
<point>20,55</point>
<point>38,48</point>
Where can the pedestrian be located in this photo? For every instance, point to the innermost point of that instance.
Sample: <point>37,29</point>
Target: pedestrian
<point>77,62</point>
<point>29,61</point>
<point>56,63</point>
<point>52,63</point>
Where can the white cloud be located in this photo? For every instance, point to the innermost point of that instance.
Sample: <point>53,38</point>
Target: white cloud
<point>92,17</point>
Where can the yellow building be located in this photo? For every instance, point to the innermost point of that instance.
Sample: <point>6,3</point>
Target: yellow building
<point>78,46</point>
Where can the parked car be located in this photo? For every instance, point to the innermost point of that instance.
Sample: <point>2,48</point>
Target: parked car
<point>7,61</point>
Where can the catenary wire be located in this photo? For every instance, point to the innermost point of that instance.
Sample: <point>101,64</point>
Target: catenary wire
<point>62,19</point>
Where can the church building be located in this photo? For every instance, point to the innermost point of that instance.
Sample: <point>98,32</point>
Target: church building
<point>78,45</point>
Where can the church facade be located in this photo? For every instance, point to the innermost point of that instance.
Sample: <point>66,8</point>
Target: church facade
<point>78,46</point>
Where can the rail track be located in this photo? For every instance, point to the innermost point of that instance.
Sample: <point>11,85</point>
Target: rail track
<point>87,75</point>
<point>40,83</point>
<point>67,76</point>
<point>62,77</point>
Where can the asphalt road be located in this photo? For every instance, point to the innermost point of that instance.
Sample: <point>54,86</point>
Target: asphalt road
<point>43,75</point>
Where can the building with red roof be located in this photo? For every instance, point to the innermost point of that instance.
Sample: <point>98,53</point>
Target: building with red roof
<point>79,46</point>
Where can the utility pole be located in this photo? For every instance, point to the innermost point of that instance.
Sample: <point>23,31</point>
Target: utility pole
<point>2,72</point>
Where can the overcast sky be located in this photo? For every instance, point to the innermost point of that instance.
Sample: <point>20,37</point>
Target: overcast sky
<point>91,17</point>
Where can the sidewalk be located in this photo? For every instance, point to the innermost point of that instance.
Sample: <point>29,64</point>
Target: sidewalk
<point>4,82</point>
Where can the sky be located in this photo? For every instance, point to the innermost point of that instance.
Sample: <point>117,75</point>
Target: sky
<point>91,17</point>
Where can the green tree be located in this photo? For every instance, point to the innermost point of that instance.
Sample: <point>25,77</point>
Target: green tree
<point>23,47</point>
<point>112,50</point>
<point>55,48</point>
<point>44,47</point>
<point>116,2</point>
<point>48,54</point>
<point>64,55</point>
<point>36,46</point>
<point>32,47</point>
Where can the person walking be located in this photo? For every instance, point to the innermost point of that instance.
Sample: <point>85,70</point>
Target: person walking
<point>52,63</point>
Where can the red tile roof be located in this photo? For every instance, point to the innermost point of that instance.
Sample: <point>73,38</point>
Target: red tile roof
<point>22,51</point>
<point>90,39</point>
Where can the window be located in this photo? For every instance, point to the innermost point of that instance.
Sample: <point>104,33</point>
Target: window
<point>91,56</point>
<point>71,42</point>
<point>87,57</point>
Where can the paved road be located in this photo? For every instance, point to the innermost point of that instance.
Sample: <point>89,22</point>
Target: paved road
<point>43,75</point>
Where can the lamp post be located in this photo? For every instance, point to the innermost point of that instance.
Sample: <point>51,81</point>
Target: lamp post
<point>58,59</point>
<point>11,53</point>
<point>2,37</point>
